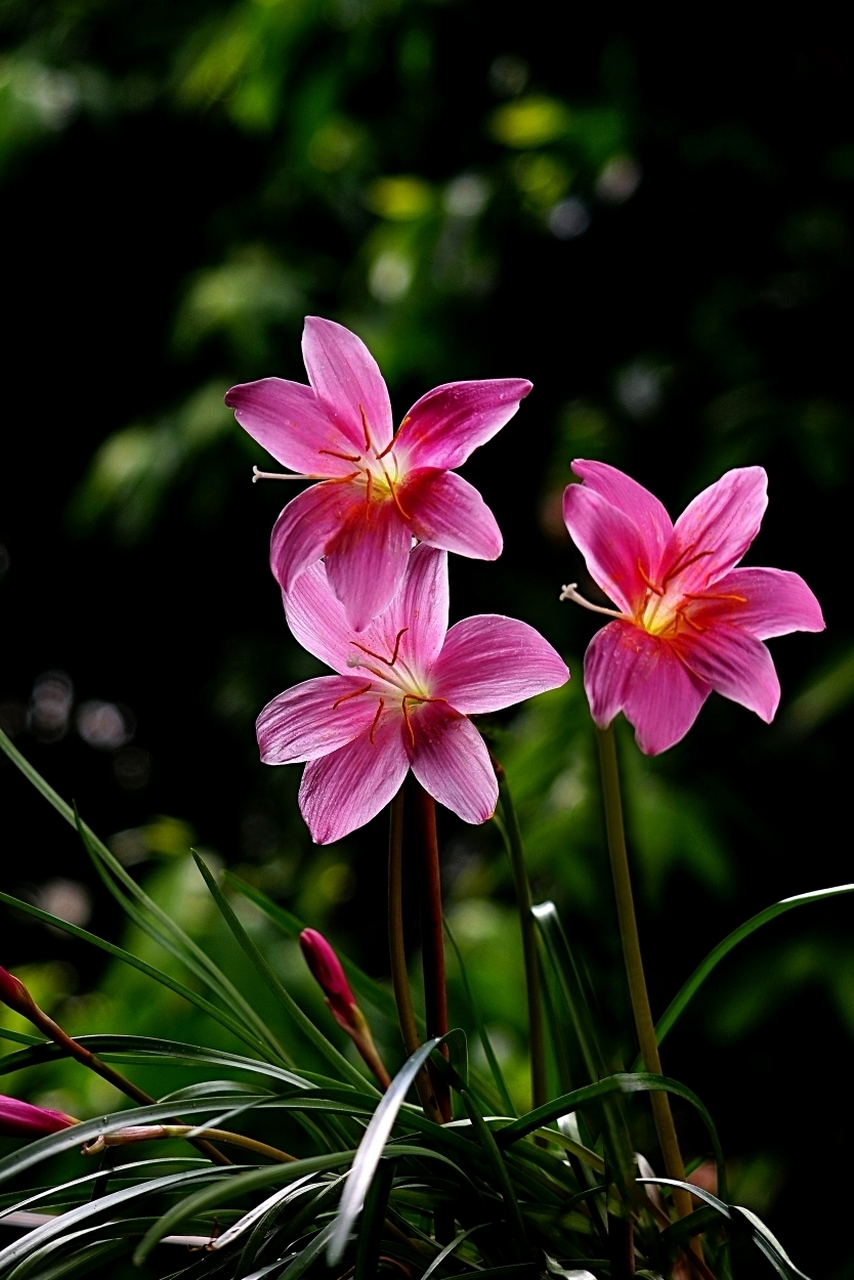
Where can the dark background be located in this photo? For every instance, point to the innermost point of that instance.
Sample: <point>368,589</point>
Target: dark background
<point>651,222</point>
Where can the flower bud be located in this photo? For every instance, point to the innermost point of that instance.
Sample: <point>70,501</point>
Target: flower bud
<point>33,1122</point>
<point>326,970</point>
<point>14,994</point>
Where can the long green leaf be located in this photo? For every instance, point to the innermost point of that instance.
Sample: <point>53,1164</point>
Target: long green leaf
<point>452,1248</point>
<point>118,953</point>
<point>503,1097</point>
<point>312,1033</point>
<point>620,1082</point>
<point>502,1177</point>
<point>241,1184</point>
<point>46,1193</point>
<point>679,1003</point>
<point>172,937</point>
<point>371,1148</point>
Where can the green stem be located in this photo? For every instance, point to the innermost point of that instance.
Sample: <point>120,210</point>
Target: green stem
<point>432,934</point>
<point>397,956</point>
<point>536,1030</point>
<point>148,1133</point>
<point>644,1024</point>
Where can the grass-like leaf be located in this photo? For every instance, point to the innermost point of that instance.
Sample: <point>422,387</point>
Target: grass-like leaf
<point>312,1033</point>
<point>371,1148</point>
<point>503,1099</point>
<point>680,1001</point>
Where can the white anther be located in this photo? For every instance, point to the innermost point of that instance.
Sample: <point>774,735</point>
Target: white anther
<point>570,592</point>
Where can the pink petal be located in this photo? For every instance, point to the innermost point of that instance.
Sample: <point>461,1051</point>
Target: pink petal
<point>641,506</point>
<point>449,513</point>
<point>307,527</point>
<point>451,761</point>
<point>343,791</point>
<point>627,669</point>
<point>367,561</point>
<point>736,665</point>
<point>775,603</point>
<point>348,382</point>
<point>314,718</point>
<point>717,528</point>
<point>611,543</point>
<point>287,419</point>
<point>490,662</point>
<point>419,609</point>
<point>444,427</point>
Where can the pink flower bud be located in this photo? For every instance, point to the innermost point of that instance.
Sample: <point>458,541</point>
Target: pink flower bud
<point>326,970</point>
<point>23,1118</point>
<point>14,994</point>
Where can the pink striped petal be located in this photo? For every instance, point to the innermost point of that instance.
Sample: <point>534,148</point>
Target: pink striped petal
<point>449,513</point>
<point>611,543</point>
<point>420,608</point>
<point>490,662</point>
<point>775,602</point>
<point>348,382</point>
<point>288,420</point>
<point>314,718</point>
<point>716,528</point>
<point>444,427</point>
<point>343,791</point>
<point>367,561</point>
<point>451,761</point>
<point>641,506</point>
<point>736,665</point>
<point>308,526</point>
<point>627,669</point>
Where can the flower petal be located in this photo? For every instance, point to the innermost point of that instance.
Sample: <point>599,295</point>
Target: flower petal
<point>775,603</point>
<point>308,526</point>
<point>611,543</point>
<point>736,665</point>
<point>343,791</point>
<point>489,662</point>
<point>444,427</point>
<point>451,761</point>
<point>367,561</point>
<point>316,617</point>
<point>289,421</point>
<point>447,512</point>
<point>627,669</point>
<point>348,382</point>
<point>715,530</point>
<point>641,506</point>
<point>314,718</point>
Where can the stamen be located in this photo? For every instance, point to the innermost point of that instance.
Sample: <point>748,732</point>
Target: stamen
<point>388,447</point>
<point>388,661</point>
<point>368,444</point>
<point>570,593</point>
<point>369,480</point>
<point>393,491</point>
<point>678,568</point>
<point>278,475</point>
<point>355,693</point>
<point>414,697</point>
<point>348,457</point>
<point>713,595</point>
<point>377,720</point>
<point>656,590</point>
<point>691,623</point>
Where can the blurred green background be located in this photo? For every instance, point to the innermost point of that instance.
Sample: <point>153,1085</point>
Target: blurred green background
<point>653,222</point>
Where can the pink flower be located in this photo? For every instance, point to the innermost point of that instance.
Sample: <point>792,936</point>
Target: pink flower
<point>688,621</point>
<point>378,490</point>
<point>401,699</point>
<point>32,1122</point>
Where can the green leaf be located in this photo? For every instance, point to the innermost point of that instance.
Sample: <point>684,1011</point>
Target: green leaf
<point>503,1100</point>
<point>502,1177</point>
<point>240,1184</point>
<point>371,1148</point>
<point>47,1193</point>
<point>150,970</point>
<point>452,1248</point>
<point>312,1033</point>
<point>372,1223</point>
<point>679,1003</point>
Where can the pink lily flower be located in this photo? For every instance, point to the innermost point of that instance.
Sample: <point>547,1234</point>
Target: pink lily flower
<point>401,699</point>
<point>328,973</point>
<point>378,490</point>
<point>687,620</point>
<point>23,1119</point>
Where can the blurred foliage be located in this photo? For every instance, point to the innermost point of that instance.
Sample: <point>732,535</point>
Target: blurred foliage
<point>661,241</point>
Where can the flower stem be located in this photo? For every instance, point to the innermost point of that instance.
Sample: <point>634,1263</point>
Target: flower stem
<point>644,1024</point>
<point>397,955</point>
<point>521,884</point>
<point>432,934</point>
<point>147,1133</point>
